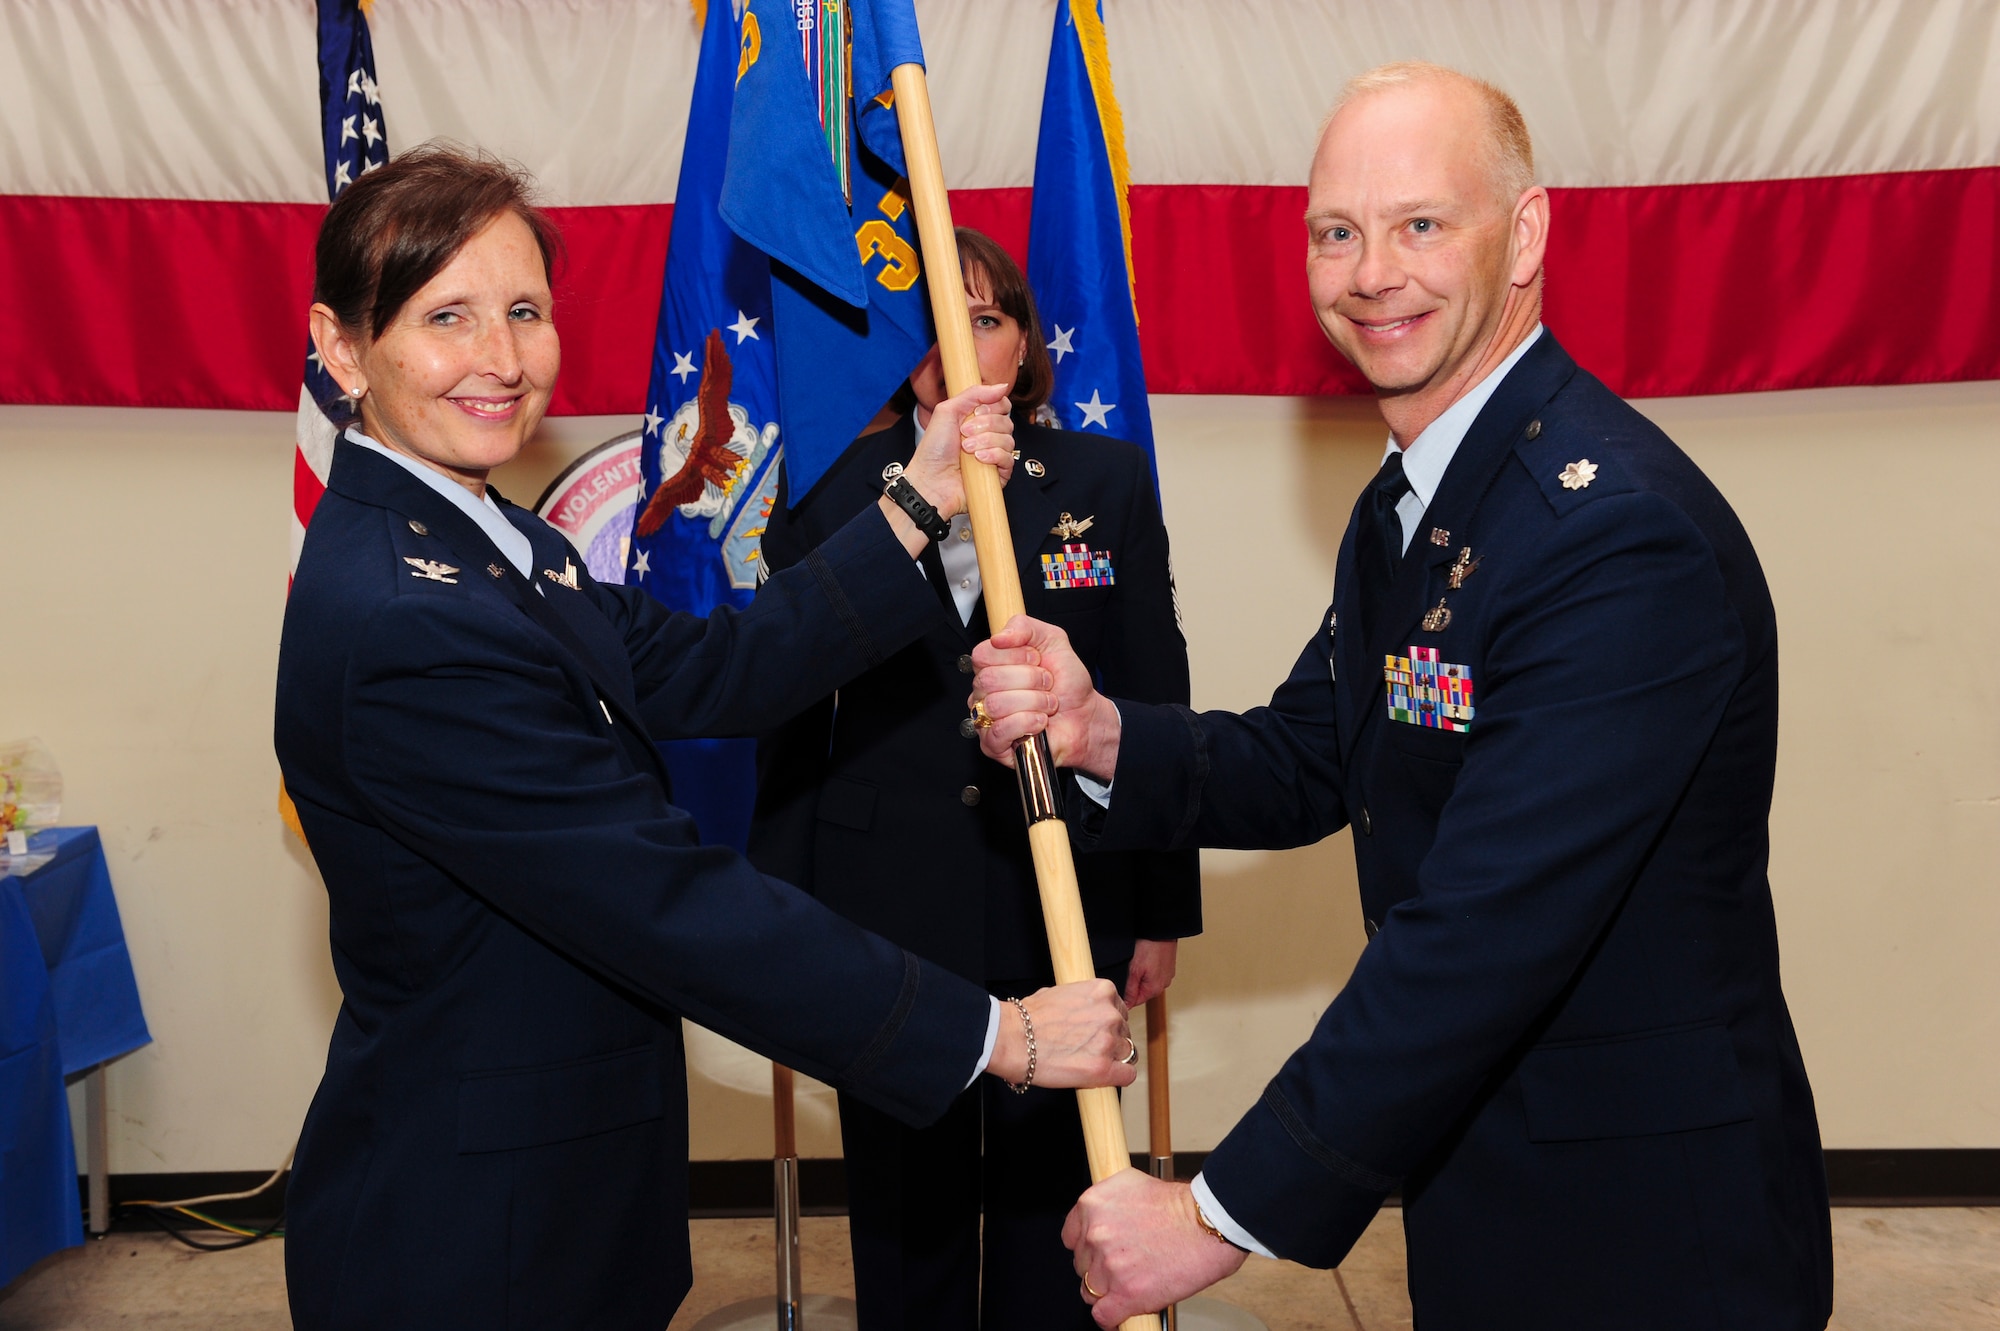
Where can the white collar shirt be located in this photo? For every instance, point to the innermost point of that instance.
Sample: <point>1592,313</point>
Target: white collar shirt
<point>504,534</point>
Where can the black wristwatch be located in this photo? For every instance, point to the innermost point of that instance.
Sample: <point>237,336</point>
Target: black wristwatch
<point>905,496</point>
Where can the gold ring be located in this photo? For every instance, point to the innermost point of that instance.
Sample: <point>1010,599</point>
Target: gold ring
<point>1131,1058</point>
<point>1090,1289</point>
<point>979,717</point>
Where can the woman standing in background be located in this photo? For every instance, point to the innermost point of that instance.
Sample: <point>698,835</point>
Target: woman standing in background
<point>878,801</point>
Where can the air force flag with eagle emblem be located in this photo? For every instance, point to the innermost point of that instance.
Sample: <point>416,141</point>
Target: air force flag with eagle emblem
<point>710,445</point>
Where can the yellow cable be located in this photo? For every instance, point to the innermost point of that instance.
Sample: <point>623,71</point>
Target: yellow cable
<point>219,1224</point>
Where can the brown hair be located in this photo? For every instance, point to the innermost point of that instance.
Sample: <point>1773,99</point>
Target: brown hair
<point>987,265</point>
<point>396,228</point>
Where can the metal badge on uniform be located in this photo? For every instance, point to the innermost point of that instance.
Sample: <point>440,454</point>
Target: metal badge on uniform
<point>1035,468</point>
<point>1439,536</point>
<point>496,570</point>
<point>1424,692</point>
<point>1578,475</point>
<point>566,578</point>
<point>1077,566</point>
<point>430,569</point>
<point>1438,618</point>
<point>1069,528</point>
<point>1461,568</point>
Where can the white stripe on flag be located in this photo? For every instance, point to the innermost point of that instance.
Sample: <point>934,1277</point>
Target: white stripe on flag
<point>161,99</point>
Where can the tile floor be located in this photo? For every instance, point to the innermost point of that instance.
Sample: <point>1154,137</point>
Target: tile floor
<point>1896,1270</point>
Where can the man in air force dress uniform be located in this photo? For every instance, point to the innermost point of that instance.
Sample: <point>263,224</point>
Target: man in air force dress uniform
<point>1545,701</point>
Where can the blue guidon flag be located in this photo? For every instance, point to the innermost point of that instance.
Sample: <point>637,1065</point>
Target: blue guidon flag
<point>1080,238</point>
<point>356,139</point>
<point>815,180</point>
<point>709,446</point>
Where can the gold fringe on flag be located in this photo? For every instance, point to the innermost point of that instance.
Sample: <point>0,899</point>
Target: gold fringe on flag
<point>1097,59</point>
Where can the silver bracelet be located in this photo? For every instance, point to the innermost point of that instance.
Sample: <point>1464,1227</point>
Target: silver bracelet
<point>1027,1025</point>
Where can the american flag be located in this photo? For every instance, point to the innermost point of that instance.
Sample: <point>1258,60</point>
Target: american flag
<point>356,140</point>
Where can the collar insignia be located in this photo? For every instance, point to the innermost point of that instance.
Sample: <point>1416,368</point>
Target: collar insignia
<point>430,569</point>
<point>566,578</point>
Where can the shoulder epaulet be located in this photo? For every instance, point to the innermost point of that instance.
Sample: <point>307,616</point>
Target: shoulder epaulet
<point>1569,469</point>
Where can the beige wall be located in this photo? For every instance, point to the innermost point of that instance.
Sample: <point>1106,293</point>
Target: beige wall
<point>146,571</point>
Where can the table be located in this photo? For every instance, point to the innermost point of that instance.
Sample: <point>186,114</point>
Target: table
<point>68,1005</point>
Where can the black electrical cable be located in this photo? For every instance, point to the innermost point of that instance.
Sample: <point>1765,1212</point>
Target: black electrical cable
<point>160,1218</point>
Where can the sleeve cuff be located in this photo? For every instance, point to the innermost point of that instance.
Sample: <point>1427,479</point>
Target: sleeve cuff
<point>992,1038</point>
<point>1218,1217</point>
<point>1099,792</point>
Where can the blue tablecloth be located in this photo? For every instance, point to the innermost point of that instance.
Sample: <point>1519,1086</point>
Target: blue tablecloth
<point>67,1003</point>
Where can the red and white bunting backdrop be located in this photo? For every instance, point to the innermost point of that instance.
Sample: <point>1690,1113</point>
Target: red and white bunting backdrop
<point>1748,194</point>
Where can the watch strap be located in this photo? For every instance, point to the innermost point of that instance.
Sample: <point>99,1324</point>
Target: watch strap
<point>905,496</point>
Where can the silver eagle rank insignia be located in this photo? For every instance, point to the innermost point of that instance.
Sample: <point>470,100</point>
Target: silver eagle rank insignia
<point>430,569</point>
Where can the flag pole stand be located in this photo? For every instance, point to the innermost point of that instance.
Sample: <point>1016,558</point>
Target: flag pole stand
<point>794,1310</point>
<point>1198,1314</point>
<point>1048,835</point>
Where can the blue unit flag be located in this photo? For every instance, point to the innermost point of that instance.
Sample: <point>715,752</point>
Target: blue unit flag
<point>1080,238</point>
<point>848,305</point>
<point>710,445</point>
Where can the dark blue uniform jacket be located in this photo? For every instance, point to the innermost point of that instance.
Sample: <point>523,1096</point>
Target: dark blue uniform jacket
<point>1565,1041</point>
<point>520,916</point>
<point>882,808</point>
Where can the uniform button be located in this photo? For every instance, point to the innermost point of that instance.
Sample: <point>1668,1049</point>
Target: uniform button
<point>419,528</point>
<point>1370,928</point>
<point>965,533</point>
<point>964,665</point>
<point>1365,823</point>
<point>1534,429</point>
<point>965,583</point>
<point>970,729</point>
<point>969,796</point>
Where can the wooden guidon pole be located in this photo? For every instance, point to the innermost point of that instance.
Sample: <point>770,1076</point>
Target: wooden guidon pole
<point>1159,1111</point>
<point>1159,1101</point>
<point>1048,835</point>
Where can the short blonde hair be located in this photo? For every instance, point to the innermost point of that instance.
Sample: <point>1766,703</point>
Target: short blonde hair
<point>1510,150</point>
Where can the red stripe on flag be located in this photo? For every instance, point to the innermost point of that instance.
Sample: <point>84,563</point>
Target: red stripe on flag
<point>608,305</point>
<point>154,302</point>
<point>1661,290</point>
<point>1689,289</point>
<point>306,488</point>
